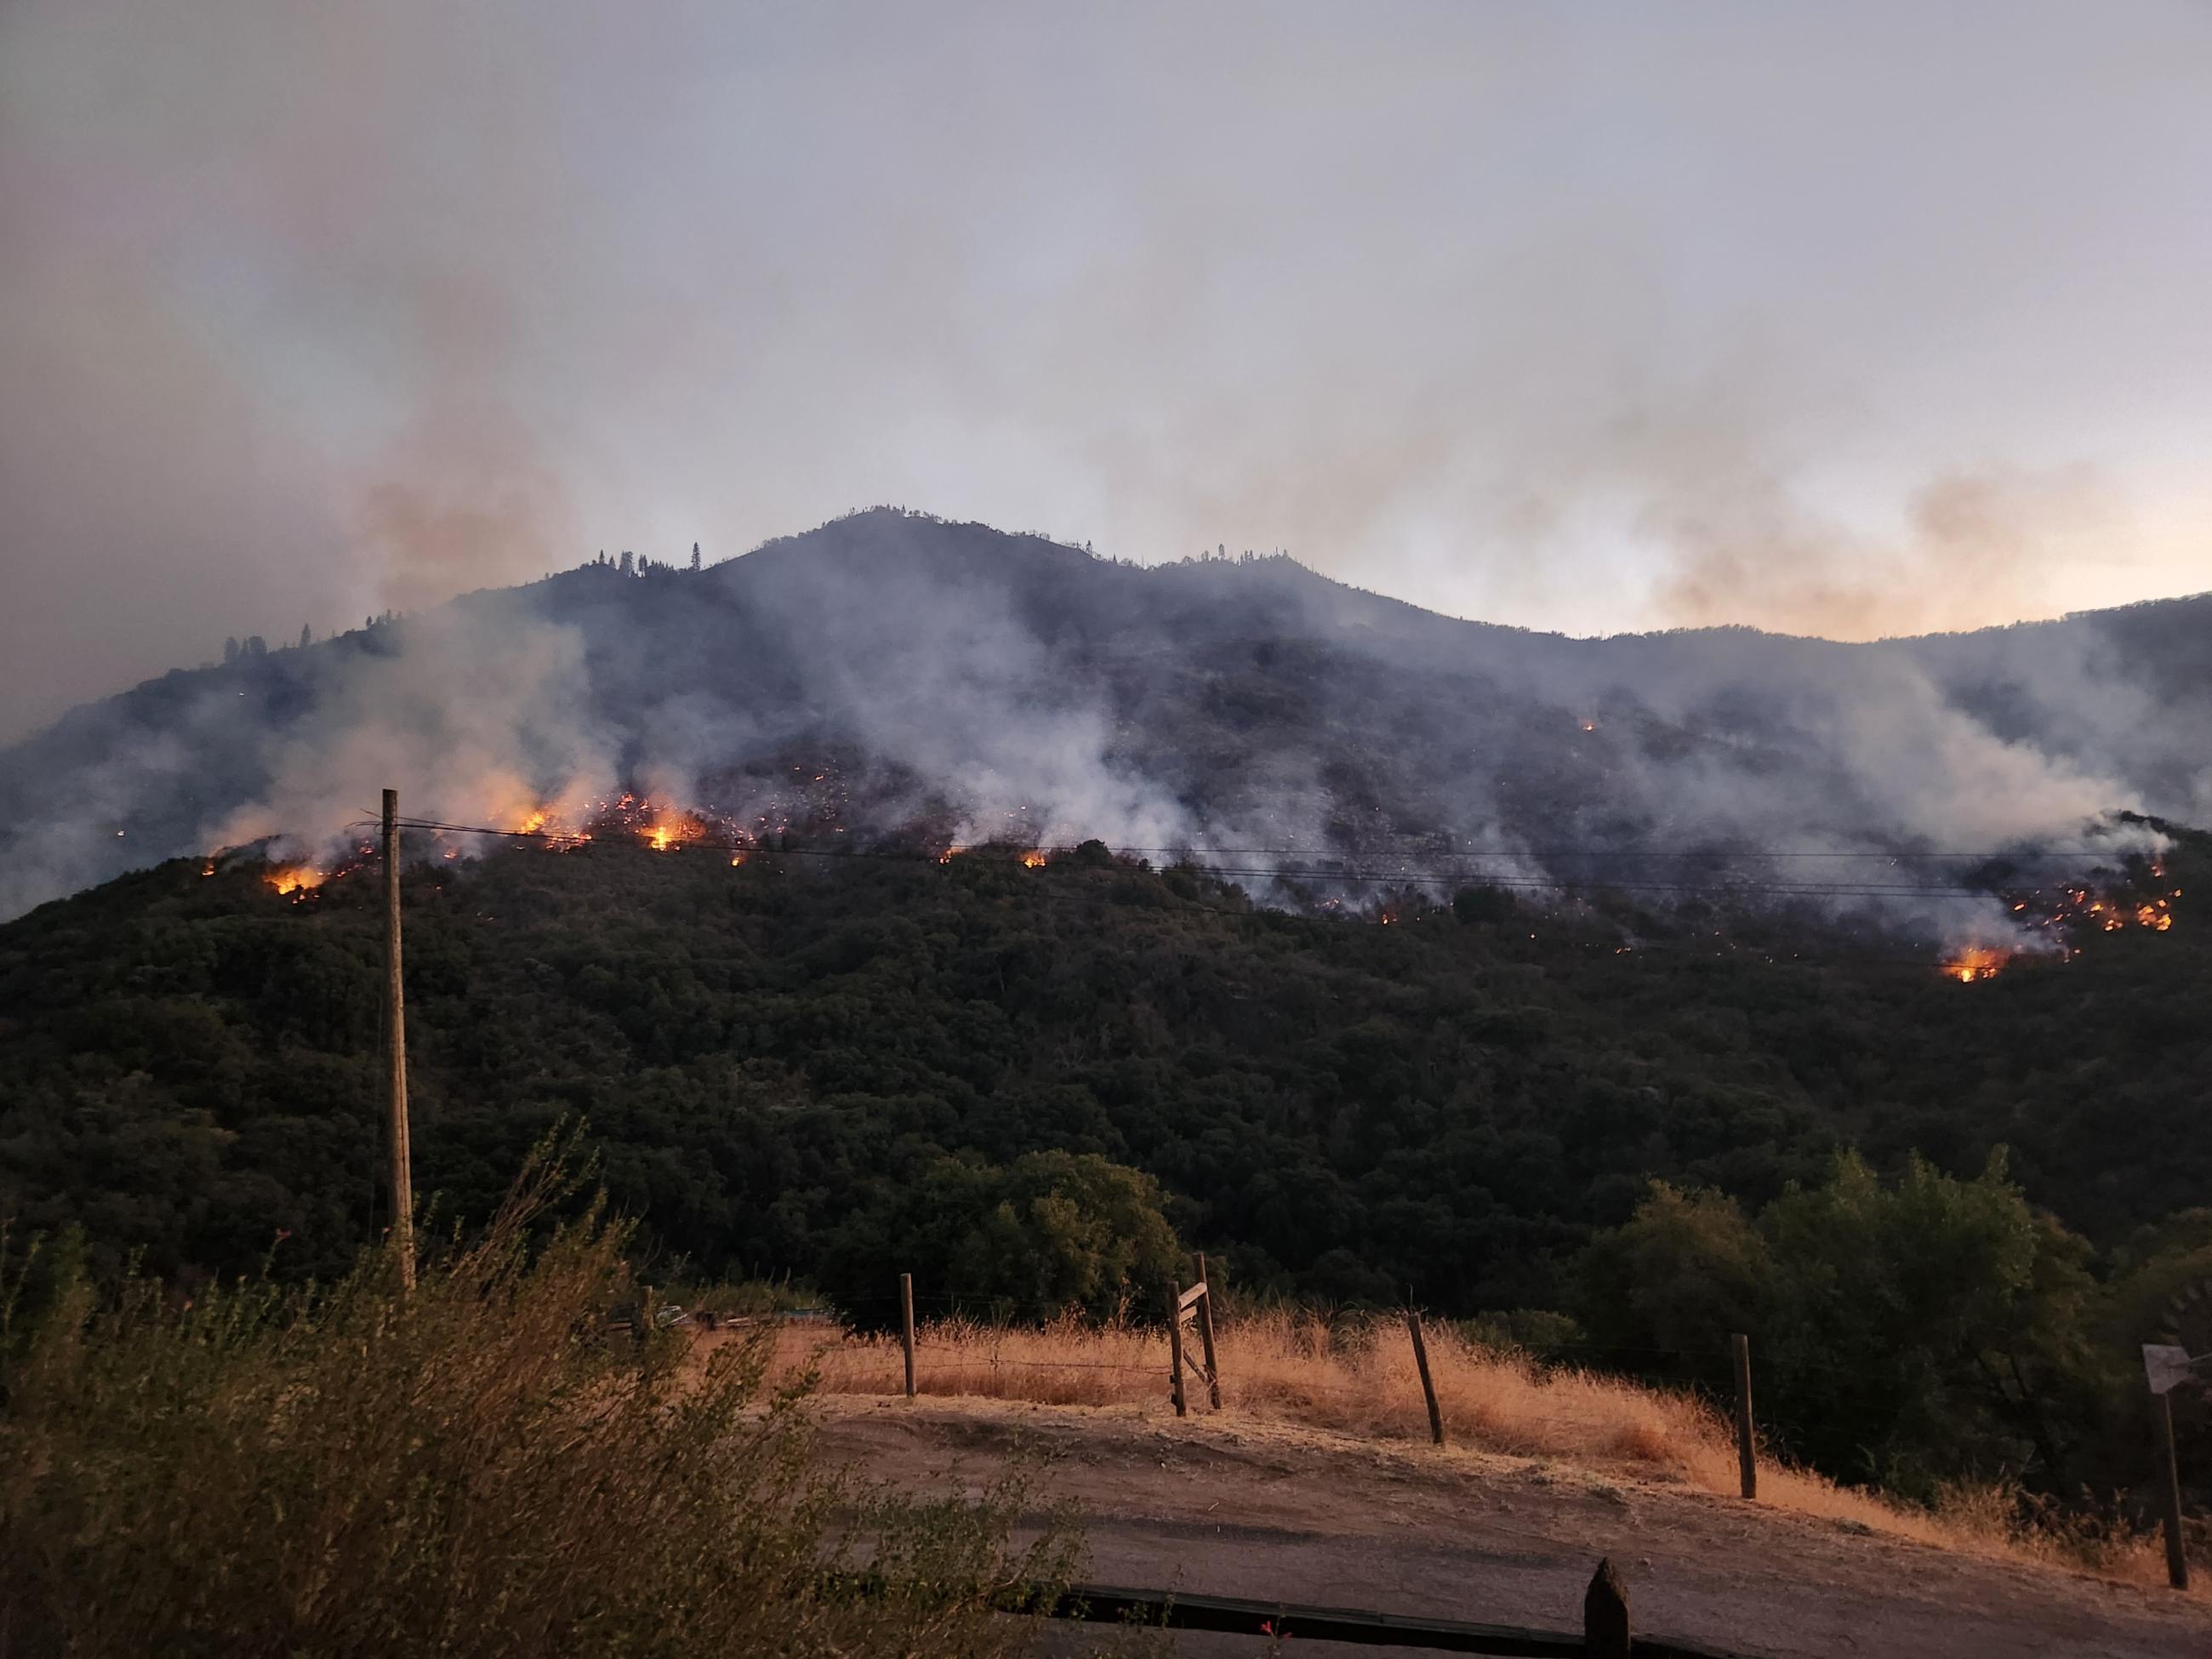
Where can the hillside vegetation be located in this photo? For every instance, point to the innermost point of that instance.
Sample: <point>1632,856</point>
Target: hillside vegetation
<point>888,672</point>
<point>1031,1086</point>
<point>479,1466</point>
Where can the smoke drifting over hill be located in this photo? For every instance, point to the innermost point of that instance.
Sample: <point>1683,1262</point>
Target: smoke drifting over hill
<point>1855,321</point>
<point>891,677</point>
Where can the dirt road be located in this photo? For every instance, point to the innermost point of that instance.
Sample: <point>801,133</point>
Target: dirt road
<point>1269,1511</point>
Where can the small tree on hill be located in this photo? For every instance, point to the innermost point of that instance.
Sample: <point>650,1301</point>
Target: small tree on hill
<point>1907,1332</point>
<point>1050,1233</point>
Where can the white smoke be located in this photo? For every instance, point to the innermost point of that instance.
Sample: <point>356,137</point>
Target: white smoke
<point>1312,742</point>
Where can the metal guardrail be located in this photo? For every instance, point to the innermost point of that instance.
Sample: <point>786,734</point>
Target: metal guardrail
<point>1104,1604</point>
<point>1605,1633</point>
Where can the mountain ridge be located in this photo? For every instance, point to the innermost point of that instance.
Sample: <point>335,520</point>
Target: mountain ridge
<point>970,677</point>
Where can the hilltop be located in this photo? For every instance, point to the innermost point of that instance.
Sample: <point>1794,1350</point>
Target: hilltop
<point>888,672</point>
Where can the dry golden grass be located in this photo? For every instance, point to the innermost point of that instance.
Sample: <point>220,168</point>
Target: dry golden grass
<point>1357,1377</point>
<point>477,1469</point>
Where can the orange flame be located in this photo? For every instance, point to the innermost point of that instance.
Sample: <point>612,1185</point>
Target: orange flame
<point>1975,961</point>
<point>671,829</point>
<point>1033,860</point>
<point>295,879</point>
<point>547,823</point>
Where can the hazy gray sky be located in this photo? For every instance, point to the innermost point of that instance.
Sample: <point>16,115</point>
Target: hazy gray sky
<point>1850,318</point>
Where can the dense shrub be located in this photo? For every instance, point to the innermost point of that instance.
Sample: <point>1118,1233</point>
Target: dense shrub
<point>1052,1233</point>
<point>479,1467</point>
<point>1910,1332</point>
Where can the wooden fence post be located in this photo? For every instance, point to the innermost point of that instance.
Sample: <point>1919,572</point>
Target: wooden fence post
<point>1428,1383</point>
<point>1205,1331</point>
<point>2177,1563</point>
<point>906,1327</point>
<point>1605,1615</point>
<point>1175,1346</point>
<point>1746,1455</point>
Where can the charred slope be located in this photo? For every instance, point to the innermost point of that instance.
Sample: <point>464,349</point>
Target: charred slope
<point>953,675</point>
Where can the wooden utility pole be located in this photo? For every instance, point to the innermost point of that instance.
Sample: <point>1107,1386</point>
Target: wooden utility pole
<point>906,1327</point>
<point>1747,1454</point>
<point>2177,1562</point>
<point>1428,1383</point>
<point>1205,1330</point>
<point>395,1048</point>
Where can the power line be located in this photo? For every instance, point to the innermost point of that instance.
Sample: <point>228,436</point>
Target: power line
<point>1572,850</point>
<point>1797,887</point>
<point>1592,953</point>
<point>1411,844</point>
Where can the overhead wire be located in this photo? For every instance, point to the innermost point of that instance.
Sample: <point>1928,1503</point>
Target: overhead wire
<point>1684,948</point>
<point>1455,866</point>
<point>1408,844</point>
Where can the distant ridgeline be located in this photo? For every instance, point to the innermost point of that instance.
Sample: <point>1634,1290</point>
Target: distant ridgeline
<point>891,677</point>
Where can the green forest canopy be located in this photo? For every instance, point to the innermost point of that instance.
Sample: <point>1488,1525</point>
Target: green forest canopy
<point>789,1062</point>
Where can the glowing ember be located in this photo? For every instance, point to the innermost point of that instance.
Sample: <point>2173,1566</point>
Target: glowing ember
<point>669,831</point>
<point>545,824</point>
<point>2155,916</point>
<point>1975,961</point>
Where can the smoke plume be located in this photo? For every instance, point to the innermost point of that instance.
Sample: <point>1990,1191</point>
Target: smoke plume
<point>891,677</point>
<point>1861,322</point>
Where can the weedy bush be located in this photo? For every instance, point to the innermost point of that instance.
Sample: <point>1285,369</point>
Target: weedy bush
<point>480,1467</point>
